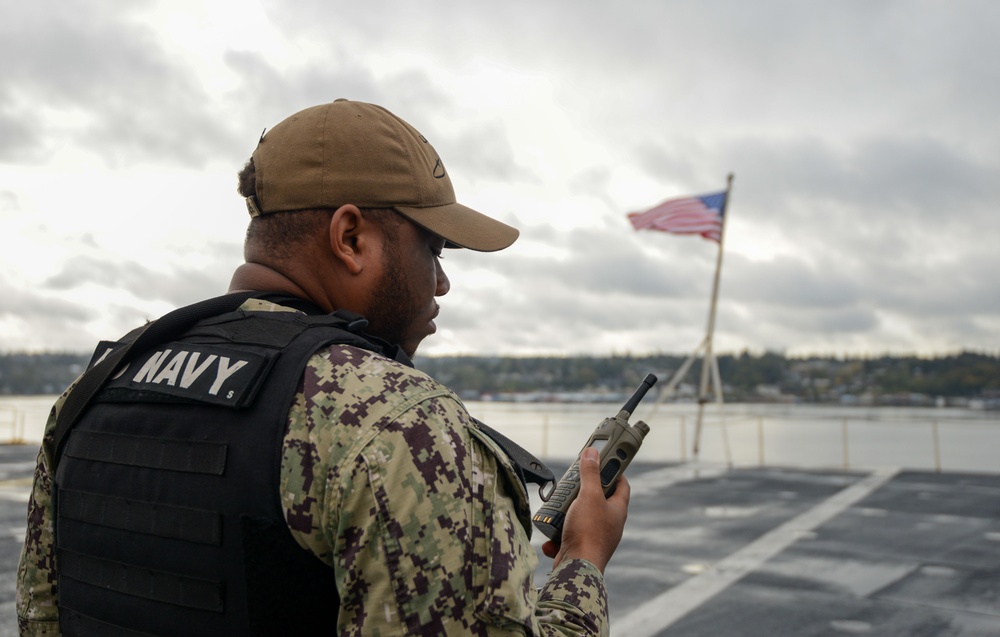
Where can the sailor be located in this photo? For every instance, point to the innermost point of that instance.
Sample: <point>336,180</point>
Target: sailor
<point>270,462</point>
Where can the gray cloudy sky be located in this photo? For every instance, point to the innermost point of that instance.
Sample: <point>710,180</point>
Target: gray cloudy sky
<point>863,136</point>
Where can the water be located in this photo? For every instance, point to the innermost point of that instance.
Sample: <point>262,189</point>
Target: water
<point>23,417</point>
<point>777,435</point>
<point>951,439</point>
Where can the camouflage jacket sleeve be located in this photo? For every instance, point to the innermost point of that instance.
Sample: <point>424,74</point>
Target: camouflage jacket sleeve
<point>386,478</point>
<point>37,596</point>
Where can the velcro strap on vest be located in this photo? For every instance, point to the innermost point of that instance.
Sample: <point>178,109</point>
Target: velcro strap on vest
<point>72,622</point>
<point>154,453</point>
<point>159,586</point>
<point>178,523</point>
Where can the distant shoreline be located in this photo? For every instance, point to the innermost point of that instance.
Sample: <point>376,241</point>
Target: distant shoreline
<point>747,434</point>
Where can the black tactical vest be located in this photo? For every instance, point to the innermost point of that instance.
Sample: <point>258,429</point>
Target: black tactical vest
<point>168,515</point>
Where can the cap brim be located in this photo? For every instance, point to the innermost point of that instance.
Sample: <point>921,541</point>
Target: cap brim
<point>462,227</point>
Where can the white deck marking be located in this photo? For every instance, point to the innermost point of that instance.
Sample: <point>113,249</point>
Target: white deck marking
<point>665,609</point>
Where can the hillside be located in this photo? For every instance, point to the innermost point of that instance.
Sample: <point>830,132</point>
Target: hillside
<point>884,380</point>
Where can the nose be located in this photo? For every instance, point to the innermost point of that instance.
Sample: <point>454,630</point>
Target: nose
<point>443,284</point>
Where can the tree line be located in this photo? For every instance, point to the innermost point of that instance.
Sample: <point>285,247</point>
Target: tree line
<point>746,376</point>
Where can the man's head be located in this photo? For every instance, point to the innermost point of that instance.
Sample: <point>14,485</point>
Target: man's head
<point>359,153</point>
<point>352,206</point>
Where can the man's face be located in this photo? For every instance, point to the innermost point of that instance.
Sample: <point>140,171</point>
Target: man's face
<point>402,308</point>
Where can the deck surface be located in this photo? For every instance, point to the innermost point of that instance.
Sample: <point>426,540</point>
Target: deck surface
<point>754,552</point>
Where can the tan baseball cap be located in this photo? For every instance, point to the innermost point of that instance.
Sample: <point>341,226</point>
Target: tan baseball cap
<point>349,152</point>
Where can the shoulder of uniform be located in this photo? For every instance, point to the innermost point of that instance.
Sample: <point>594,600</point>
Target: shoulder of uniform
<point>366,372</point>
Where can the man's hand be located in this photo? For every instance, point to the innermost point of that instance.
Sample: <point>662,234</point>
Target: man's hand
<point>594,524</point>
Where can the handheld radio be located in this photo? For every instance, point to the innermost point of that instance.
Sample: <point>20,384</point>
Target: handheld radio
<point>617,441</point>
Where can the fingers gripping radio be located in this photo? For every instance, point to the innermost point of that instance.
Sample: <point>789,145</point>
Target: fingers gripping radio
<point>617,441</point>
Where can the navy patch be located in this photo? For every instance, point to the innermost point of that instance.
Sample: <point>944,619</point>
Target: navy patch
<point>190,372</point>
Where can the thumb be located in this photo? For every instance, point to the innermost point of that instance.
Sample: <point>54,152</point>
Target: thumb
<point>590,468</point>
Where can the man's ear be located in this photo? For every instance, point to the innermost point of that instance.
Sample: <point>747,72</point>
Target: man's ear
<point>348,238</point>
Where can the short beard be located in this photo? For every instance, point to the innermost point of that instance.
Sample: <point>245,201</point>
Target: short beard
<point>393,309</point>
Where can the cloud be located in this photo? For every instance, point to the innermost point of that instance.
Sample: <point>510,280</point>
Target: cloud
<point>9,201</point>
<point>472,148</point>
<point>895,177</point>
<point>862,137</point>
<point>102,79</point>
<point>787,282</point>
<point>26,314</point>
<point>20,141</point>
<point>273,93</point>
<point>25,305</point>
<point>178,285</point>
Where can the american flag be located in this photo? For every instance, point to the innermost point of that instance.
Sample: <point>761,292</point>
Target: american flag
<point>687,215</point>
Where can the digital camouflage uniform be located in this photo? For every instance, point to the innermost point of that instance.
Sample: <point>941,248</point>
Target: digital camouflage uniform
<point>386,478</point>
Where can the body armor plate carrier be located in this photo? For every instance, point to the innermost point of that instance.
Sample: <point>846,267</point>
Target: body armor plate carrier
<point>168,514</point>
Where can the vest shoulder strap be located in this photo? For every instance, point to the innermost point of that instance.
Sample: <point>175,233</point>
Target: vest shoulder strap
<point>530,468</point>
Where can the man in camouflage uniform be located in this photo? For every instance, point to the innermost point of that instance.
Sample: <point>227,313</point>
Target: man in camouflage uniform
<point>416,520</point>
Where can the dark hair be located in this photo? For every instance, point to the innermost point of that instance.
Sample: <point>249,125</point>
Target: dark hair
<point>279,233</point>
<point>247,185</point>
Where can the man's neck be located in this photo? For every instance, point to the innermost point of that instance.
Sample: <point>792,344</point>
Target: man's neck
<point>255,276</point>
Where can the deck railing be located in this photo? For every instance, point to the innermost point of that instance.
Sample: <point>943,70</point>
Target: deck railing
<point>928,440</point>
<point>11,425</point>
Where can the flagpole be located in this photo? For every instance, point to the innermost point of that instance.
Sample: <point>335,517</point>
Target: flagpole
<point>668,389</point>
<point>708,359</point>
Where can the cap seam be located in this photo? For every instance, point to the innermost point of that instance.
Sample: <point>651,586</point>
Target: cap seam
<point>258,178</point>
<point>406,149</point>
<point>323,150</point>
